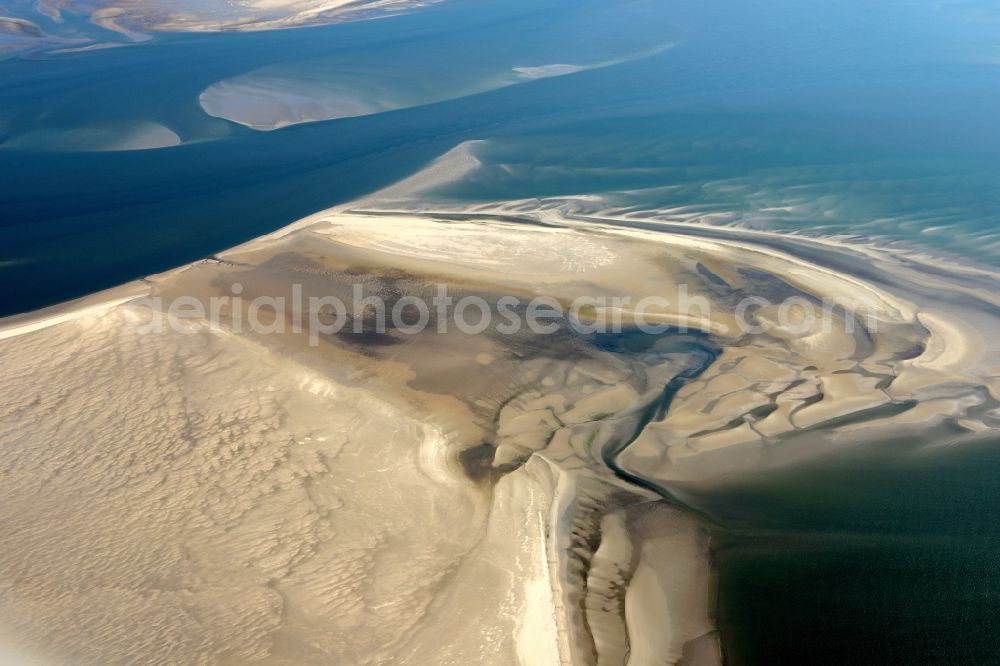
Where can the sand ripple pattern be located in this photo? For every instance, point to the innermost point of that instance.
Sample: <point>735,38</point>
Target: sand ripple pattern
<point>213,495</point>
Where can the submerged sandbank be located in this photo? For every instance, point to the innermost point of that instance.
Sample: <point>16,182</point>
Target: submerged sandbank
<point>406,71</point>
<point>302,92</point>
<point>106,137</point>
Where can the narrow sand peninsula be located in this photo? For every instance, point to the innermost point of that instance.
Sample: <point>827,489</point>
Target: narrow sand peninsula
<point>213,493</point>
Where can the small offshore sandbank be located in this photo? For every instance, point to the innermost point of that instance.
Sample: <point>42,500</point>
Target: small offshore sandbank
<point>18,27</point>
<point>422,69</point>
<point>293,93</point>
<point>137,135</point>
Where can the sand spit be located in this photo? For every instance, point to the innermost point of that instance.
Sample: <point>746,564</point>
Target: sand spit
<point>217,494</point>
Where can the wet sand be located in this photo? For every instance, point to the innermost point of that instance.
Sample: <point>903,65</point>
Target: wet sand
<point>221,494</point>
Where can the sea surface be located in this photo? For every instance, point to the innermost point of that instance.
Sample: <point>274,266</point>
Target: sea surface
<point>887,555</point>
<point>850,119</point>
<point>868,122</point>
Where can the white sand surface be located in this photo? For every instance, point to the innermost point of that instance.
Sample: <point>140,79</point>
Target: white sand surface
<point>204,501</point>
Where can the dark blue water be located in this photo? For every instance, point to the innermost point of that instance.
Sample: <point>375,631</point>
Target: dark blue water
<point>787,115</point>
<point>888,555</point>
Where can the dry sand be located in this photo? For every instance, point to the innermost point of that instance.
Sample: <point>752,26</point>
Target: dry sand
<point>215,495</point>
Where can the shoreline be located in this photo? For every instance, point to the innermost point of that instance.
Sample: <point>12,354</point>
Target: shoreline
<point>93,304</point>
